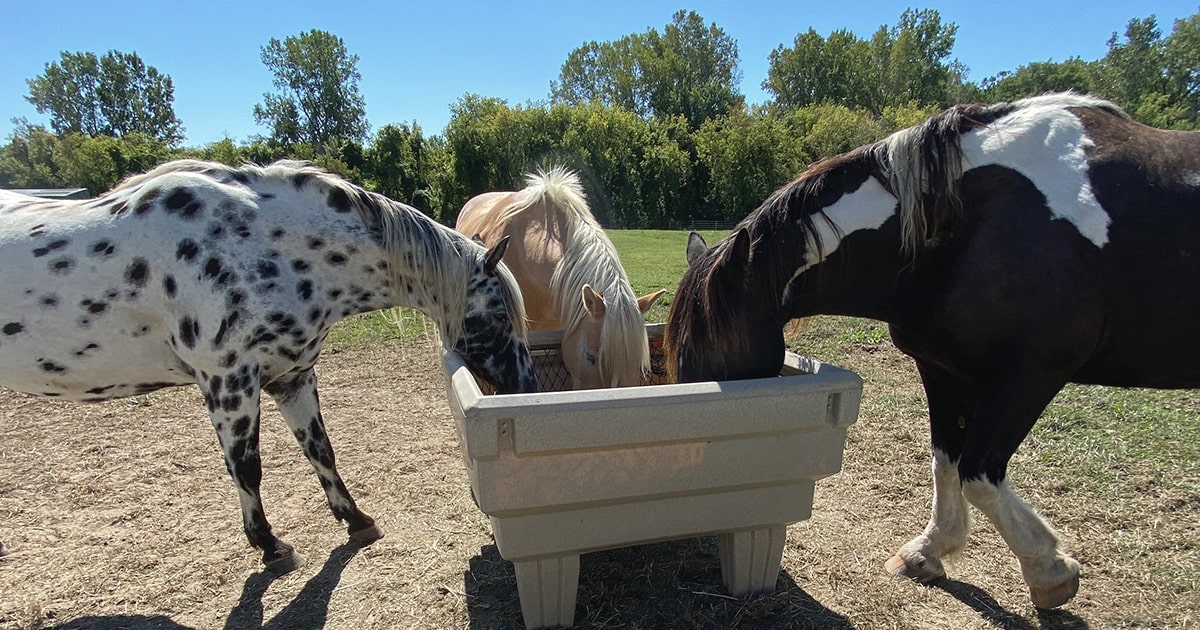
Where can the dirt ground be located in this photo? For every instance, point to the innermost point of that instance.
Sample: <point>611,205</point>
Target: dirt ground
<point>121,515</point>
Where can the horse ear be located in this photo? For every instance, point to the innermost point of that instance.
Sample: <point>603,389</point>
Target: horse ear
<point>695,248</point>
<point>737,255</point>
<point>648,300</point>
<point>493,255</point>
<point>475,237</point>
<point>593,302</point>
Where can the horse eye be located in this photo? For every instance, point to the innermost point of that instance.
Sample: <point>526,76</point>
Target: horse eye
<point>502,317</point>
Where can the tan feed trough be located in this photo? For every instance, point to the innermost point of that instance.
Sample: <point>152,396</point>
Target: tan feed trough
<point>561,473</point>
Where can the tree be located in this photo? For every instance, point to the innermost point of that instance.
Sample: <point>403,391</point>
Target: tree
<point>318,101</point>
<point>113,95</point>
<point>905,63</point>
<point>1156,79</point>
<point>399,165</point>
<point>820,70</point>
<point>1039,78</point>
<point>689,69</point>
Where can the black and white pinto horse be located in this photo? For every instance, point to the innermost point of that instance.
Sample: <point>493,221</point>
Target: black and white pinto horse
<point>1011,248</point>
<point>230,279</point>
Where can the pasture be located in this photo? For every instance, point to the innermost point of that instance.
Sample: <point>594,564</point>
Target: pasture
<point>121,514</point>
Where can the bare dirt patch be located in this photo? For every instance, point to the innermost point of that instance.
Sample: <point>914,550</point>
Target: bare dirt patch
<point>121,515</point>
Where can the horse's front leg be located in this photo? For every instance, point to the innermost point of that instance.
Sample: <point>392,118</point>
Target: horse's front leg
<point>950,522</point>
<point>296,396</point>
<point>233,405</point>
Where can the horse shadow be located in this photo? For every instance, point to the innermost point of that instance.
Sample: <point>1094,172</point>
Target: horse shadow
<point>666,585</point>
<point>308,609</point>
<point>991,610</point>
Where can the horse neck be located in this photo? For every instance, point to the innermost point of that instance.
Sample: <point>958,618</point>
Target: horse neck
<point>427,267</point>
<point>859,278</point>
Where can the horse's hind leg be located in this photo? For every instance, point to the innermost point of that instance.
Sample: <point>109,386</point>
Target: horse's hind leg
<point>233,404</point>
<point>1004,415</point>
<point>296,396</point>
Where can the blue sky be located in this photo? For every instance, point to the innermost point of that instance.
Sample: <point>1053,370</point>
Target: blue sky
<point>418,58</point>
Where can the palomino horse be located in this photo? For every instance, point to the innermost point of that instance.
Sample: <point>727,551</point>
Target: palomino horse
<point>1012,248</point>
<point>230,279</point>
<point>570,276</point>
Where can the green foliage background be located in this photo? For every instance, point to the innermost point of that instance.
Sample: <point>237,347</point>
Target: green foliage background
<point>653,121</point>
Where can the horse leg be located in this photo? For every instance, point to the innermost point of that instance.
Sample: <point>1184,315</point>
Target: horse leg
<point>296,396</point>
<point>946,534</point>
<point>233,403</point>
<point>1004,416</point>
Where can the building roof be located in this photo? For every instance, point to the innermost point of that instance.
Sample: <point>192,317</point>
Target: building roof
<point>54,193</point>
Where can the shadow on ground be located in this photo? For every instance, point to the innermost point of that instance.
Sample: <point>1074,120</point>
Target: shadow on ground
<point>667,585</point>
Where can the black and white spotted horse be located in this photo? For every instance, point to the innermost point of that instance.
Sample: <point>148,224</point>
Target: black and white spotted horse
<point>1011,248</point>
<point>230,278</point>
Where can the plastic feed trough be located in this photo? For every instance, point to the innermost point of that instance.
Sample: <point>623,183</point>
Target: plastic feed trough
<point>561,473</point>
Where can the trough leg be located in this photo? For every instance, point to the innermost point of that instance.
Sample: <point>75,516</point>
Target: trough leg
<point>750,559</point>
<point>547,589</point>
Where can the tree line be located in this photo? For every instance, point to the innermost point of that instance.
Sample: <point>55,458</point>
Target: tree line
<point>653,121</point>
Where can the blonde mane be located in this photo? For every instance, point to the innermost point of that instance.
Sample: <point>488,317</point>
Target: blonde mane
<point>589,257</point>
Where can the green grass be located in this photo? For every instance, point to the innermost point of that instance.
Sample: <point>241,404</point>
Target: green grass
<point>656,259</point>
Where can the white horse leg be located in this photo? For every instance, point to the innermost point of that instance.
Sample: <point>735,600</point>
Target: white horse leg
<point>233,405</point>
<point>296,396</point>
<point>945,535</point>
<point>1052,575</point>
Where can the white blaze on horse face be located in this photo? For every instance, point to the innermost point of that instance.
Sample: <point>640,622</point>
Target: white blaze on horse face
<point>1047,144</point>
<point>864,209</point>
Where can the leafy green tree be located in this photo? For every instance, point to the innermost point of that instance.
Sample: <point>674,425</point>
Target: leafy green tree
<point>1154,78</point>
<point>820,70</point>
<point>912,57</point>
<point>317,100</point>
<point>746,160</point>
<point>113,95</point>
<point>27,161</point>
<point>1040,77</point>
<point>36,158</point>
<point>908,62</point>
<point>400,164</point>
<point>689,69</point>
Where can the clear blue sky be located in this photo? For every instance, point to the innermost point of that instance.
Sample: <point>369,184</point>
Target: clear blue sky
<point>418,58</point>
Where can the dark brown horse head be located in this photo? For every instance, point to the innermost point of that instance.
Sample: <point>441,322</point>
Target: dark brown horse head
<point>724,322</point>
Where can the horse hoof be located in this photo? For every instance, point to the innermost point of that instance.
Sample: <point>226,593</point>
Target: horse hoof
<point>923,571</point>
<point>285,564</point>
<point>1055,596</point>
<point>367,534</point>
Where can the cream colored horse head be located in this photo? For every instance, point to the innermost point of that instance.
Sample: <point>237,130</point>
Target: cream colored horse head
<point>570,276</point>
<point>581,345</point>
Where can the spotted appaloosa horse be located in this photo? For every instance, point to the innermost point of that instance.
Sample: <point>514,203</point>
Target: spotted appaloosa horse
<point>1012,248</point>
<point>570,276</point>
<point>230,279</point>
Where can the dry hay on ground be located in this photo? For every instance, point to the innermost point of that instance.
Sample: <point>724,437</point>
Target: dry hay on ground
<point>121,515</point>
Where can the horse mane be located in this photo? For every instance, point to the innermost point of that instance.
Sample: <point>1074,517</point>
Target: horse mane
<point>411,240</point>
<point>922,165</point>
<point>589,257</point>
